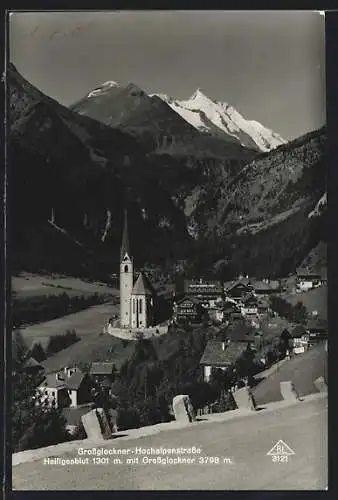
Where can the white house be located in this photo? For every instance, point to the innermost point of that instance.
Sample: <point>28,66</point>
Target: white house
<point>69,387</point>
<point>307,280</point>
<point>300,339</point>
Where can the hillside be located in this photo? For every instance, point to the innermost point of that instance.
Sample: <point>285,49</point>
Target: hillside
<point>262,215</point>
<point>220,207</point>
<point>93,164</point>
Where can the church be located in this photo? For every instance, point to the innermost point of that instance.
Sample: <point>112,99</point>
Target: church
<point>137,300</point>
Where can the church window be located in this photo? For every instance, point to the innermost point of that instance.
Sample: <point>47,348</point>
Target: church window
<point>140,302</point>
<point>125,269</point>
<point>133,306</point>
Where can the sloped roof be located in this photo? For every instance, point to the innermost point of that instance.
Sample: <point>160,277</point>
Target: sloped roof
<point>239,331</point>
<point>52,382</point>
<point>75,380</point>
<point>142,286</point>
<point>308,273</point>
<point>241,281</point>
<point>102,368</point>
<point>214,354</point>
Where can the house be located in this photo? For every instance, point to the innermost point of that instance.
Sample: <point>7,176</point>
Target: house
<point>307,280</point>
<point>101,371</point>
<point>317,329</point>
<point>239,290</point>
<point>53,390</point>
<point>69,387</point>
<point>249,306</point>
<point>220,355</point>
<point>299,339</point>
<point>188,310</point>
<point>207,292</point>
<point>239,331</point>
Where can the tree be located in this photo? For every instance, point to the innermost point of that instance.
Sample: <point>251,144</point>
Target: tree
<point>284,343</point>
<point>33,424</point>
<point>19,350</point>
<point>37,352</point>
<point>299,313</point>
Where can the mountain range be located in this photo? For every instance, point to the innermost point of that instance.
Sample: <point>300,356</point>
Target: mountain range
<point>107,104</point>
<point>213,198</point>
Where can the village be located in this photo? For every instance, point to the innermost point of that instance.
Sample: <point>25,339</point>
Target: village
<point>246,318</point>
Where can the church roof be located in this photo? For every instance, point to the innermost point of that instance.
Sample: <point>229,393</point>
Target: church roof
<point>125,246</point>
<point>142,286</point>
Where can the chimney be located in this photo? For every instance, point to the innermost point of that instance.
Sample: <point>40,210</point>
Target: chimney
<point>223,346</point>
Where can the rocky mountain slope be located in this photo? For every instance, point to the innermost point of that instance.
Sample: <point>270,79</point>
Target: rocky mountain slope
<point>264,214</point>
<point>81,174</point>
<point>211,202</point>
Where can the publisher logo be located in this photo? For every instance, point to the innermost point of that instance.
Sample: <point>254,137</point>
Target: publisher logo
<point>280,452</point>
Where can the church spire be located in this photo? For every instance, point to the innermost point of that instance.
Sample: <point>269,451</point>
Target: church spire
<point>125,247</point>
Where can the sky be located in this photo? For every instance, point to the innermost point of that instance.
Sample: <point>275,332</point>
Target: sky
<point>269,65</point>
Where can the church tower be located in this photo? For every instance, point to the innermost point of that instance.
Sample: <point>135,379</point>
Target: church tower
<point>126,277</point>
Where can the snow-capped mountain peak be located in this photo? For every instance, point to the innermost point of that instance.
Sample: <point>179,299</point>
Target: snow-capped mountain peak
<point>198,94</point>
<point>103,88</point>
<point>220,118</point>
<point>210,116</point>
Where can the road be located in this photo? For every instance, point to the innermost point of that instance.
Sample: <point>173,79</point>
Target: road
<point>245,440</point>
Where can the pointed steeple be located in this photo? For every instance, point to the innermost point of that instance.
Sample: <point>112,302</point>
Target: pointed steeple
<point>125,247</point>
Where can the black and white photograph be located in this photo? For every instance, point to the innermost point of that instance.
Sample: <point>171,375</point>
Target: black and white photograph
<point>168,250</point>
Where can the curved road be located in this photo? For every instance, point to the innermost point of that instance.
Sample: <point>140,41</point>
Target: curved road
<point>245,440</point>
